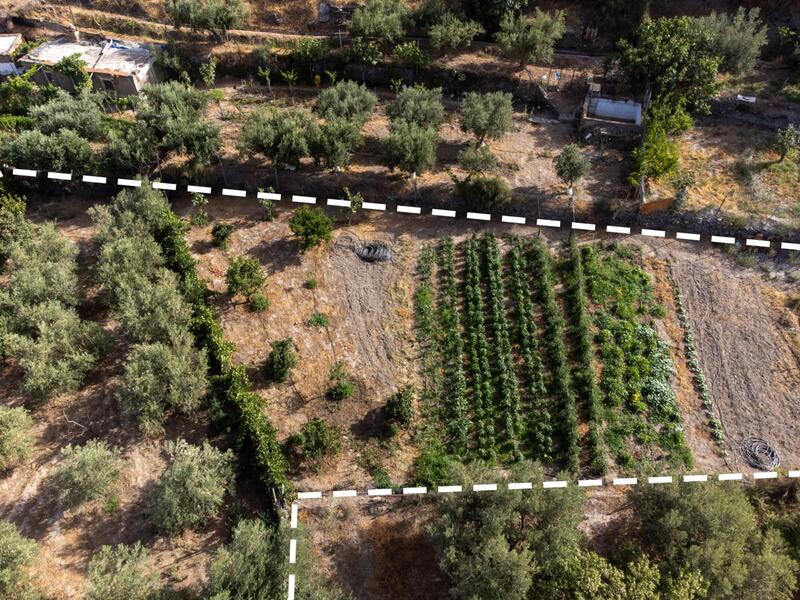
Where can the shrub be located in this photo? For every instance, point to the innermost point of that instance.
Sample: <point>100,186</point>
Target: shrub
<point>75,68</point>
<point>311,225</point>
<point>281,360</point>
<point>487,115</point>
<point>364,52</point>
<point>16,553</point>
<point>88,472</point>
<point>244,276</point>
<point>571,166</point>
<point>451,33</point>
<point>216,16</point>
<point>787,140</point>
<point>158,377</point>
<point>432,468</point>
<point>192,488</point>
<point>15,436</point>
<point>121,573</point>
<point>400,407</point>
<point>82,114</point>
<point>221,233</point>
<point>318,320</point>
<point>258,302</point>
<point>490,12</point>
<point>253,566</point>
<point>310,284</point>
<point>340,387</point>
<point>386,20</point>
<point>64,151</point>
<point>419,105</point>
<point>346,100</point>
<point>659,156</point>
<point>317,440</point>
<point>334,143</point>
<point>477,160</point>
<point>411,55</point>
<point>484,193</point>
<point>309,50</point>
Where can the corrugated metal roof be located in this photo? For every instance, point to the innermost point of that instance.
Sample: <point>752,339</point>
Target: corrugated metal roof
<point>109,57</point>
<point>9,41</point>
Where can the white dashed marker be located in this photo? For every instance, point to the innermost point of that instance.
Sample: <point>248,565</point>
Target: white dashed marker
<point>93,179</point>
<point>24,172</point>
<point>730,477</point>
<point>583,226</point>
<point>379,492</point>
<point>160,185</point>
<point>616,229</point>
<point>590,482</point>
<point>234,192</point>
<point>129,182</point>
<point>290,595</point>
<point>520,485</point>
<point>373,206</point>
<point>338,202</point>
<point>309,495</point>
<point>474,216</point>
<point>440,212</point>
<point>344,493</point>
<point>658,233</point>
<point>411,491</point>
<point>293,522</point>
<point>690,237</point>
<point>514,220</point>
<point>765,475</point>
<point>695,478</point>
<point>304,199</point>
<point>484,487</point>
<point>625,481</point>
<point>657,480</point>
<point>59,176</point>
<point>449,489</point>
<point>721,239</point>
<point>268,196</point>
<point>411,210</point>
<point>794,474</point>
<point>548,223</point>
<point>198,189</point>
<point>789,246</point>
<point>554,484</point>
<point>757,243</point>
<point>292,551</point>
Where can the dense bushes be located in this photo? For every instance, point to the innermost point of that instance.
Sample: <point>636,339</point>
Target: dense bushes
<point>340,384</point>
<point>16,553</point>
<point>281,360</point>
<point>386,20</point>
<point>63,151</point>
<point>418,104</point>
<point>400,407</point>
<point>316,441</point>
<point>88,472</point>
<point>192,488</point>
<point>121,573</point>
<point>311,225</point>
<point>451,33</point>
<point>487,115</point>
<point>244,276</point>
<point>480,192</point>
<point>216,16</point>
<point>346,100</point>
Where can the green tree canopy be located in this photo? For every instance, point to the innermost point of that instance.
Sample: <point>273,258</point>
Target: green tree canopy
<point>736,38</point>
<point>74,67</point>
<point>386,20</point>
<point>16,553</point>
<point>64,151</point>
<point>335,141</point>
<point>88,472</point>
<point>245,276</point>
<point>281,360</point>
<point>121,573</point>
<point>81,113</point>
<point>153,310</point>
<point>410,147</point>
<point>712,529</point>
<point>311,225</point>
<point>15,436</point>
<point>675,58</point>
<point>487,115</point>
<point>451,33</point>
<point>571,166</point>
<point>216,16</point>
<point>531,40</point>
<point>283,137</point>
<point>160,376</point>
<point>347,100</point>
<point>192,488</point>
<point>418,104</point>
<point>491,12</point>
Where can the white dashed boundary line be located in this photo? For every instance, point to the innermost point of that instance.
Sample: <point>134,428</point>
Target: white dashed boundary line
<point>292,552</point>
<point>551,484</point>
<point>415,210</point>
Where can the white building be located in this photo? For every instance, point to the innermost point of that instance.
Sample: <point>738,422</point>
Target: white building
<point>118,67</point>
<point>9,42</point>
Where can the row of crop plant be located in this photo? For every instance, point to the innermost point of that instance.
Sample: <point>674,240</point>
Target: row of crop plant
<point>506,383</point>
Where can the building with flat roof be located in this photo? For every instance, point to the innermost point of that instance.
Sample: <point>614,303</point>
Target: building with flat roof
<point>117,67</point>
<point>606,120</point>
<point>9,42</point>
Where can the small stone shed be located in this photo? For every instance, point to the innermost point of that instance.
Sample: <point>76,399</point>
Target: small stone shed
<point>117,67</point>
<point>9,42</point>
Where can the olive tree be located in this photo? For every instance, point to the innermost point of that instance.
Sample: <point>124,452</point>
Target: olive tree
<point>192,488</point>
<point>487,115</point>
<point>88,472</point>
<point>411,148</point>
<point>64,150</point>
<point>281,360</point>
<point>419,105</point>
<point>81,113</point>
<point>531,40</point>
<point>334,143</point>
<point>16,554</point>
<point>15,436</point>
<point>347,100</point>
<point>121,572</point>
<point>386,20</point>
<point>736,38</point>
<point>451,33</point>
<point>158,377</point>
<point>571,166</point>
<point>153,310</point>
<point>787,140</point>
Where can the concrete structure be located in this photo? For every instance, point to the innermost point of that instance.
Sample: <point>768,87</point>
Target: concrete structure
<point>117,67</point>
<point>610,121</point>
<point>9,42</point>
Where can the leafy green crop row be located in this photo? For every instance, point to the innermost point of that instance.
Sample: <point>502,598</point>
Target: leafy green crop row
<point>556,355</point>
<point>538,427</point>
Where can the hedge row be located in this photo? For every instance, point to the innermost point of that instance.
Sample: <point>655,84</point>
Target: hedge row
<point>230,383</point>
